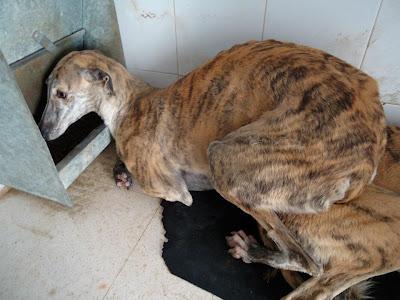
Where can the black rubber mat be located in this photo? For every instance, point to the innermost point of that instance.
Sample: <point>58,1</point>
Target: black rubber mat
<point>196,251</point>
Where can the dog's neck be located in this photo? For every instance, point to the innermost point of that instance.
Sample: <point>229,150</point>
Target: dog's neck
<point>126,89</point>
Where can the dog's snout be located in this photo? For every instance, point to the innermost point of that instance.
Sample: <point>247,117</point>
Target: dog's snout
<point>45,124</point>
<point>44,130</point>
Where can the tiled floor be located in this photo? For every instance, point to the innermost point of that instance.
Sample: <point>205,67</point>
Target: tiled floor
<point>107,247</point>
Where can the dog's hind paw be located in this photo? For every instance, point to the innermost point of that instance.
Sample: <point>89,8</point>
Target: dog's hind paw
<point>239,243</point>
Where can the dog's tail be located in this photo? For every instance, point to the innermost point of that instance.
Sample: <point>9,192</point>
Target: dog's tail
<point>359,291</point>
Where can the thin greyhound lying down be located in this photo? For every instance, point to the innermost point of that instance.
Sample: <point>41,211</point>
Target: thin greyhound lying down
<point>276,128</point>
<point>354,241</point>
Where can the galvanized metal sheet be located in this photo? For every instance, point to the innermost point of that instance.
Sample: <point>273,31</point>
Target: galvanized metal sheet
<point>25,161</point>
<point>83,154</point>
<point>102,31</point>
<point>19,19</point>
<point>31,71</point>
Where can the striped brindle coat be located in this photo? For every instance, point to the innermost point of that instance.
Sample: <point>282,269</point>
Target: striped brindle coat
<point>276,128</point>
<point>354,241</point>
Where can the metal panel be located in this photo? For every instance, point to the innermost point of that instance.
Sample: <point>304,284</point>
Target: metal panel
<point>19,19</point>
<point>82,155</point>
<point>31,71</point>
<point>102,30</point>
<point>25,161</point>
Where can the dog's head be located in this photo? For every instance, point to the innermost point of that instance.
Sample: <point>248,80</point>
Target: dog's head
<point>77,85</point>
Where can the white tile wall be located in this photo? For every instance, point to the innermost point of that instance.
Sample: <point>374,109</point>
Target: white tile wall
<point>382,59</point>
<point>155,78</point>
<point>205,27</point>
<point>147,30</point>
<point>340,27</point>
<point>164,39</point>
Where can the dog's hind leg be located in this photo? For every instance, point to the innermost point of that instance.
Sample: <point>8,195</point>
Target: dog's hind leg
<point>294,279</point>
<point>245,247</point>
<point>266,169</point>
<point>358,291</point>
<point>341,286</point>
<point>284,247</point>
<point>331,285</point>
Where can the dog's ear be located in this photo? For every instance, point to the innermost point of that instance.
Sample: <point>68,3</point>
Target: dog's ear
<point>99,76</point>
<point>49,79</point>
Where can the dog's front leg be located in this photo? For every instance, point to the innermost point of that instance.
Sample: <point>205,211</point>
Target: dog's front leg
<point>160,179</point>
<point>170,188</point>
<point>153,167</point>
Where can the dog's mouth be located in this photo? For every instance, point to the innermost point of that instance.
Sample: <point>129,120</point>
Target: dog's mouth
<point>48,132</point>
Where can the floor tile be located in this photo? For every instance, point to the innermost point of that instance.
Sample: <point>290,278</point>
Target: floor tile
<point>145,275</point>
<point>47,250</point>
<point>392,113</point>
<point>382,59</point>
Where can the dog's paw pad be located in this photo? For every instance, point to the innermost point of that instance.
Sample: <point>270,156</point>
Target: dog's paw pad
<point>123,180</point>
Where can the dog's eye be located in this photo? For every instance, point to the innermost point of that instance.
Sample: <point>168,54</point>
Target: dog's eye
<point>61,94</point>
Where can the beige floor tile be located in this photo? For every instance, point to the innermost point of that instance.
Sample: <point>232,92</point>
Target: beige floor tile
<point>48,251</point>
<point>145,276</point>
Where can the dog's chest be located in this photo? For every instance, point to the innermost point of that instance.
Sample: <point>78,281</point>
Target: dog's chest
<point>196,181</point>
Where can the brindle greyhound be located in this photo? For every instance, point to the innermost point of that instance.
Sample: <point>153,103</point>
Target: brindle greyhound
<point>276,128</point>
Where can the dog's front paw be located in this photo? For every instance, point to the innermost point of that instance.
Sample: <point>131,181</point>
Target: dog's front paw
<point>239,243</point>
<point>122,176</point>
<point>123,180</point>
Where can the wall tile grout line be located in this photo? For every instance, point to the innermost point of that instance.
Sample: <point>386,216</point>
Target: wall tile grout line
<point>132,250</point>
<point>370,35</point>
<point>159,72</point>
<point>176,40</point>
<point>264,20</point>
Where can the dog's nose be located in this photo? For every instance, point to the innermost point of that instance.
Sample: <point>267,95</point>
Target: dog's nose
<point>44,130</point>
<point>45,134</point>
